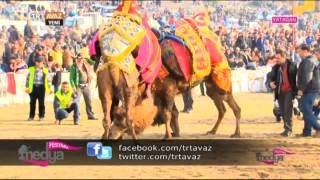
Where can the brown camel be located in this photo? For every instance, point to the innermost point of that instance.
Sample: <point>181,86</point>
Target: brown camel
<point>165,91</point>
<point>168,88</point>
<point>124,87</point>
<point>113,87</point>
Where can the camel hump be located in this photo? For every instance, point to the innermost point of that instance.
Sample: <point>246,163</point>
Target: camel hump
<point>176,58</point>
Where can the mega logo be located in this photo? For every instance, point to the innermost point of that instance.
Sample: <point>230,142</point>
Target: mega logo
<point>52,153</point>
<point>54,18</point>
<point>277,155</point>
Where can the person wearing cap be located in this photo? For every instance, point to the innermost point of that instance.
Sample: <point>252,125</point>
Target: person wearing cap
<point>64,103</point>
<point>38,51</point>
<point>283,82</point>
<point>308,89</point>
<point>37,86</point>
<point>80,79</point>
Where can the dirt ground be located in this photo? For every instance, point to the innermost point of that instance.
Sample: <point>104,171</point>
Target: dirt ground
<point>257,122</point>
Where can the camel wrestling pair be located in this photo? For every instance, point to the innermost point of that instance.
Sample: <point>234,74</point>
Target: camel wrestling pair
<point>145,70</point>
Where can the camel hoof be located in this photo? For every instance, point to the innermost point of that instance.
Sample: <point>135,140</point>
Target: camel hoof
<point>235,135</point>
<point>212,132</point>
<point>105,136</point>
<point>175,135</point>
<point>167,137</point>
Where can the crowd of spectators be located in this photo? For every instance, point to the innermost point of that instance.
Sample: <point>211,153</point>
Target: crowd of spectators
<point>18,49</point>
<point>245,29</point>
<point>252,48</point>
<point>59,47</point>
<point>36,11</point>
<point>246,46</point>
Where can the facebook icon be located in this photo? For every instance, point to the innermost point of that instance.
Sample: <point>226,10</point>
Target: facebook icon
<point>101,152</point>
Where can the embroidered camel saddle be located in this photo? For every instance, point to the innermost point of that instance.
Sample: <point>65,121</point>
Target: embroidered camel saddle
<point>199,55</point>
<point>125,32</point>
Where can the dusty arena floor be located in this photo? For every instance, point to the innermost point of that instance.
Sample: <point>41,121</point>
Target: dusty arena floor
<point>257,122</point>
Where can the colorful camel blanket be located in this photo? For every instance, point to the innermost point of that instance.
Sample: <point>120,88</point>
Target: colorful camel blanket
<point>211,40</point>
<point>149,55</point>
<point>118,39</point>
<point>127,30</point>
<point>221,72</point>
<point>201,58</point>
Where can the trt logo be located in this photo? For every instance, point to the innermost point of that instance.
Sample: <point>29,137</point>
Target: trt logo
<point>101,152</point>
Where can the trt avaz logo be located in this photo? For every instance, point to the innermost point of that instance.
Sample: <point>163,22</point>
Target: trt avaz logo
<point>98,150</point>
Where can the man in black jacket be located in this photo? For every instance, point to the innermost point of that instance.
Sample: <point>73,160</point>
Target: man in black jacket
<point>308,89</point>
<point>39,50</point>
<point>283,81</point>
<point>241,42</point>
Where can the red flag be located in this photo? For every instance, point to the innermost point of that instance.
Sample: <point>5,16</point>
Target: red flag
<point>11,83</point>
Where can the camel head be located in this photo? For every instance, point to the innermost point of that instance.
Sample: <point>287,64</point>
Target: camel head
<point>143,116</point>
<point>119,126</point>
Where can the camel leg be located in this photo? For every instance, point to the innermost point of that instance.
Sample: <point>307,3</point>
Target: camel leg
<point>218,101</point>
<point>174,122</point>
<point>237,113</point>
<point>105,96</point>
<point>221,110</point>
<point>106,122</point>
<point>130,104</point>
<point>169,95</point>
<point>167,119</point>
<point>115,103</point>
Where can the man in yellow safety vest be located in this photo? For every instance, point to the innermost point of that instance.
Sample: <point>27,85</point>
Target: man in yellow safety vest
<point>64,103</point>
<point>37,85</point>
